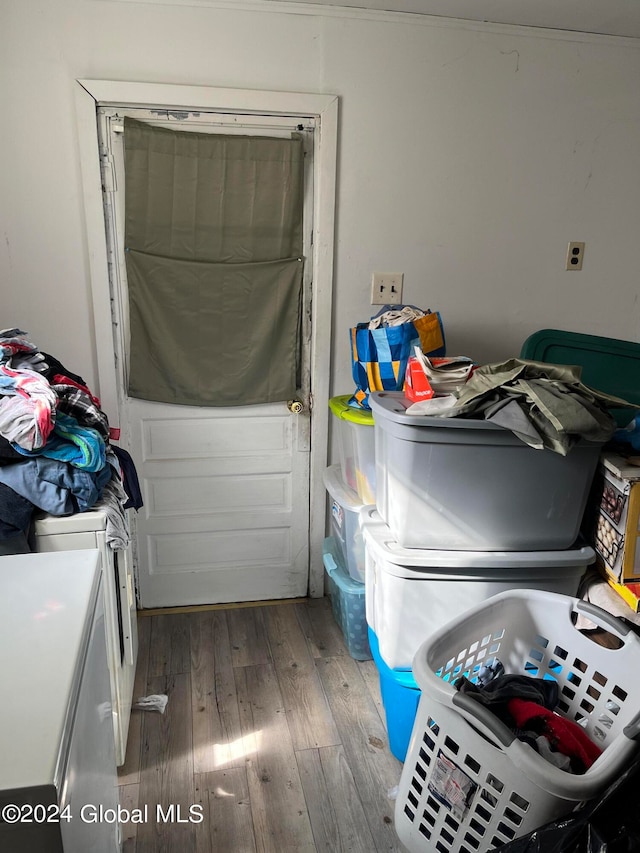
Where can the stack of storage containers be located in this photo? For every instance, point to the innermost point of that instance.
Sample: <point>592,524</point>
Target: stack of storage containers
<point>351,487</point>
<point>464,510</point>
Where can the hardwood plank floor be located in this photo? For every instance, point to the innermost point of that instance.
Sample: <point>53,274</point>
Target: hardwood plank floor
<point>272,733</point>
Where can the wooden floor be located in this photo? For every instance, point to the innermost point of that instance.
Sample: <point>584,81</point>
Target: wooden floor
<point>271,728</point>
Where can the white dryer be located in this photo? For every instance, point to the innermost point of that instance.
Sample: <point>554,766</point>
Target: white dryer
<point>88,530</point>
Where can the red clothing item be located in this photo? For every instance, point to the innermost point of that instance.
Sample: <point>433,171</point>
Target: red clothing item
<point>564,735</point>
<point>61,379</point>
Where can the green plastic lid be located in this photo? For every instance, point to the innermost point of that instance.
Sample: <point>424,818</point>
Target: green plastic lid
<point>608,364</point>
<point>341,409</point>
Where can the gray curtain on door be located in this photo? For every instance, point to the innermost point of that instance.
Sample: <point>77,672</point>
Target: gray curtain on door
<point>213,244</point>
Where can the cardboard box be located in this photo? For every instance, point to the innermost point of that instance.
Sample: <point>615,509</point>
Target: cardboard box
<point>617,539</point>
<point>629,592</point>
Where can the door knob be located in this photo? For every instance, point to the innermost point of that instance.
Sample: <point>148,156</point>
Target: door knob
<point>295,406</point>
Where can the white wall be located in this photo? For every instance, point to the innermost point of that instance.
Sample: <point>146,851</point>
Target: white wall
<point>469,156</point>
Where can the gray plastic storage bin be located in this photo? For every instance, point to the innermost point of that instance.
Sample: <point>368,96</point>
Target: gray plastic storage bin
<point>470,485</point>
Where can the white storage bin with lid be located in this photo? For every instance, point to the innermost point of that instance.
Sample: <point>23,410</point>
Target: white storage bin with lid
<point>345,522</point>
<point>412,593</point>
<point>462,484</point>
<point>510,789</point>
<point>356,442</point>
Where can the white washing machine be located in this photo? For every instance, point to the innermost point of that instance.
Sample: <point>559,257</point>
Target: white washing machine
<point>56,740</point>
<point>88,530</point>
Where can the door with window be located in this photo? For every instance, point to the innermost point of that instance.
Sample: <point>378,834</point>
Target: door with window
<point>226,487</point>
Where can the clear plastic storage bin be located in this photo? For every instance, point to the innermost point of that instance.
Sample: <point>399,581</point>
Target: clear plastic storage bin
<point>510,788</point>
<point>471,485</point>
<point>356,442</point>
<point>345,522</point>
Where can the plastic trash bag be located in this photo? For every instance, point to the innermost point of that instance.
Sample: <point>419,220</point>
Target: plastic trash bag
<point>610,824</point>
<point>153,702</point>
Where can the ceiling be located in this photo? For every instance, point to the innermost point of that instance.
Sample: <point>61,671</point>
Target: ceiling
<point>609,17</point>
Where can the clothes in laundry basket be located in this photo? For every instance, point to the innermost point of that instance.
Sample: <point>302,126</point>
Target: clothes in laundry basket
<point>525,705</point>
<point>497,691</point>
<point>564,735</point>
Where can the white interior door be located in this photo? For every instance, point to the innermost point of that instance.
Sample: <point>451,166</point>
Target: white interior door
<point>226,490</point>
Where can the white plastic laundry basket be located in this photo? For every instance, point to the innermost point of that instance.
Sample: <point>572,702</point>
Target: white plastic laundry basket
<point>457,744</point>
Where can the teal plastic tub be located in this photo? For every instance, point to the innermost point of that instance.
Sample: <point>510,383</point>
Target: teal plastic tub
<point>608,364</point>
<point>347,601</point>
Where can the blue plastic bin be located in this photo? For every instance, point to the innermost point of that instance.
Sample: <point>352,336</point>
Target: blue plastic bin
<point>400,697</point>
<point>347,602</point>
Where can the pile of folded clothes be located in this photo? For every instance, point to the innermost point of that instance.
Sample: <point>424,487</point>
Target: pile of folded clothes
<point>55,450</point>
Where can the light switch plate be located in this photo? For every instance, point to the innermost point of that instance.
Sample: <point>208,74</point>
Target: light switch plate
<point>386,288</point>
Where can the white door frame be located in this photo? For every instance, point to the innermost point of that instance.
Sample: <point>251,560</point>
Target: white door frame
<point>324,108</point>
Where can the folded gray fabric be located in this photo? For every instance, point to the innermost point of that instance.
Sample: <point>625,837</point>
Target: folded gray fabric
<point>507,412</point>
<point>545,405</point>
